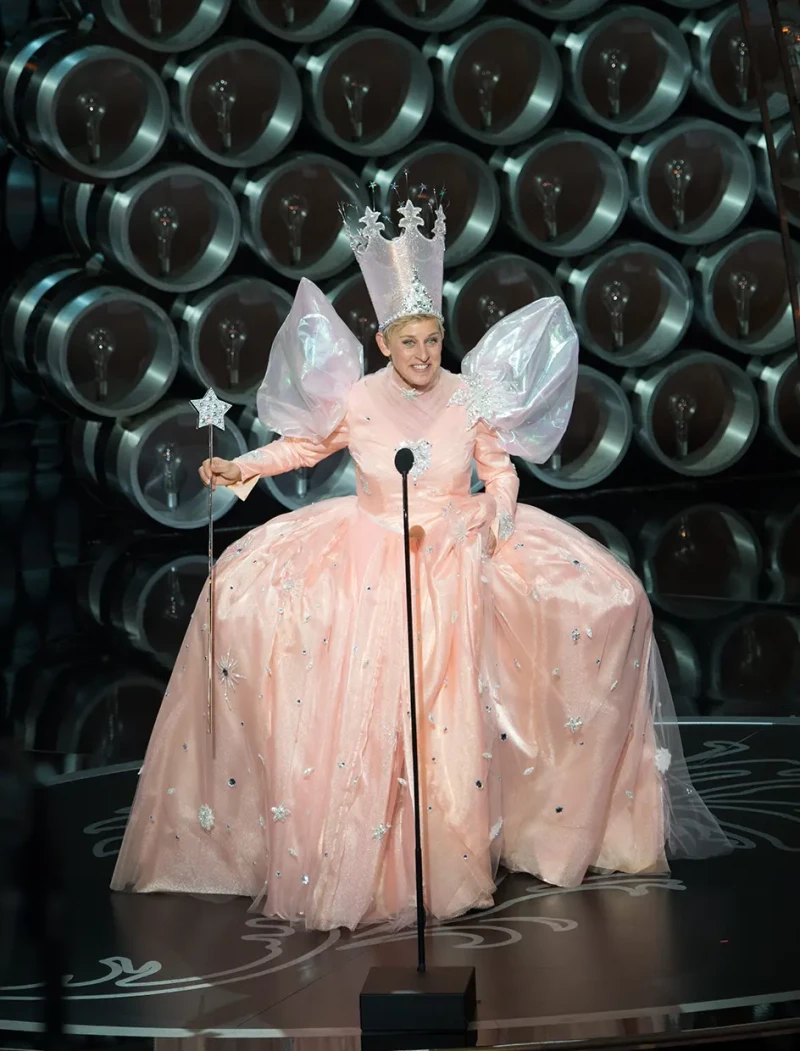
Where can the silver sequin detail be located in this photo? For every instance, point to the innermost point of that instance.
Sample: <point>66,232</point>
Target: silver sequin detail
<point>505,525</point>
<point>422,455</point>
<point>573,724</point>
<point>380,831</point>
<point>575,635</point>
<point>280,812</point>
<point>256,456</point>
<point>482,402</point>
<point>205,815</point>
<point>663,760</point>
<point>304,879</point>
<point>228,675</point>
<point>309,770</point>
<point>636,664</point>
<point>589,634</point>
<point>614,685</point>
<point>495,831</point>
<point>293,852</point>
<point>529,770</point>
<point>170,791</point>
<point>629,794</point>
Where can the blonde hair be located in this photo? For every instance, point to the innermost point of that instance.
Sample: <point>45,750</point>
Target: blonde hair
<point>389,331</point>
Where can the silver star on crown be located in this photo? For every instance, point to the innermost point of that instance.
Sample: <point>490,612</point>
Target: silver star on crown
<point>211,410</point>
<point>371,221</point>
<point>412,216</point>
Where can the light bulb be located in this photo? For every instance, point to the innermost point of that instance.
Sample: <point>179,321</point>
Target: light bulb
<point>686,548</point>
<point>556,460</point>
<point>222,96</point>
<point>615,296</point>
<point>154,10</point>
<point>742,284</point>
<point>790,34</point>
<point>289,12</point>
<point>294,210</point>
<point>678,173</point>
<point>101,347</point>
<point>490,311</point>
<point>548,189</point>
<point>682,408</point>
<point>165,224</point>
<point>486,80</point>
<point>170,462</point>
<point>362,327</point>
<point>355,91</point>
<point>233,336</point>
<point>615,62</point>
<point>739,54</point>
<point>176,602</point>
<point>93,108</point>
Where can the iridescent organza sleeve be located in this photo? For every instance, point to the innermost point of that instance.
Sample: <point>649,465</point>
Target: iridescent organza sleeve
<point>520,378</point>
<point>314,362</point>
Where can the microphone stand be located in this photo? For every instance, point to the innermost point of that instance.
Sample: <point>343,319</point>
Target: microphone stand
<point>397,999</point>
<point>403,465</point>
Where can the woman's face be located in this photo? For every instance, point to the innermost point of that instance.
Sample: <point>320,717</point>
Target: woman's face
<point>416,351</point>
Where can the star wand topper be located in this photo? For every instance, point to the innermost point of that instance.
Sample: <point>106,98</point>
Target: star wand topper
<point>211,413</point>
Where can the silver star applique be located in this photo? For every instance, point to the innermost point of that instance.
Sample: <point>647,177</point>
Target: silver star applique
<point>280,812</point>
<point>371,221</point>
<point>210,410</point>
<point>412,216</point>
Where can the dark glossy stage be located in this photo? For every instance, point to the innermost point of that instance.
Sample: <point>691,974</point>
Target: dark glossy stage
<point>620,959</point>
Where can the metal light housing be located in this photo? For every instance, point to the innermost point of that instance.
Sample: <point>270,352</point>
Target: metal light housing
<point>499,80</point>
<point>742,293</point>
<point>718,178</point>
<point>226,331</point>
<point>290,214</point>
<point>117,220</point>
<point>631,303</point>
<point>717,402</point>
<point>237,103</point>
<point>592,191</point>
<point>597,438</point>
<point>627,71</point>
<point>369,91</point>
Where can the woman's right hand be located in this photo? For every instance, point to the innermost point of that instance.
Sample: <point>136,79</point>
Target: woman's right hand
<point>219,472</point>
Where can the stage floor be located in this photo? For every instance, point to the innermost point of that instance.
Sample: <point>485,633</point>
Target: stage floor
<point>712,945</point>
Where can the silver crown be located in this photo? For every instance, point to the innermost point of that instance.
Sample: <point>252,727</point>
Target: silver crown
<point>403,275</point>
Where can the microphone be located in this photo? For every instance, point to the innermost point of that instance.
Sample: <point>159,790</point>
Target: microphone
<point>404,460</point>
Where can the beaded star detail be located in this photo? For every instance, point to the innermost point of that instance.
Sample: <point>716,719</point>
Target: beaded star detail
<point>480,401</point>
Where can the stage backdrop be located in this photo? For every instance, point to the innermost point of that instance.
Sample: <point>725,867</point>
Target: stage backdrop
<point>171,168</point>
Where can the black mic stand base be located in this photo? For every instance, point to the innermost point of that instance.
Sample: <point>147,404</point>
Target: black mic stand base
<point>406,1000</point>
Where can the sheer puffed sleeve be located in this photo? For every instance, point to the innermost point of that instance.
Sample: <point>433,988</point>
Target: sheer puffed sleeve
<point>520,379</point>
<point>314,362</point>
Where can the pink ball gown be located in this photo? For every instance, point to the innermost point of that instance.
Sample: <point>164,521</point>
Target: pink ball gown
<point>548,741</point>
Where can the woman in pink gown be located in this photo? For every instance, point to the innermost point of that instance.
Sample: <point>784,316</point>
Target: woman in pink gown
<point>547,732</point>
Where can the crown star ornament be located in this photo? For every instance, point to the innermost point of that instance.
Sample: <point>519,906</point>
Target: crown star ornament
<point>403,274</point>
<point>211,410</point>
